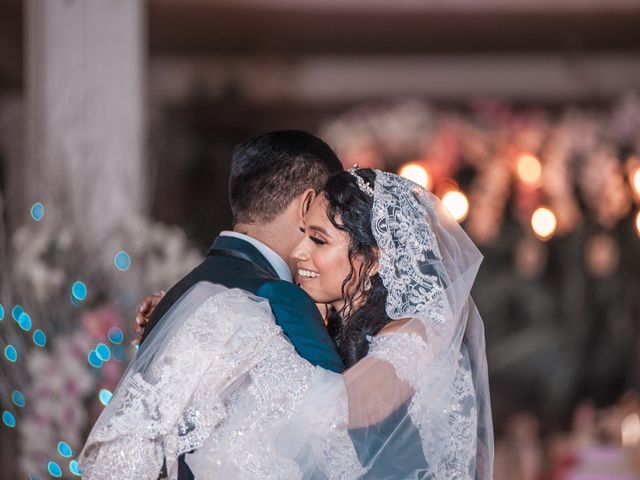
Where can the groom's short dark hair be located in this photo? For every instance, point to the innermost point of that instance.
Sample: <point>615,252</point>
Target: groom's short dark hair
<point>270,170</point>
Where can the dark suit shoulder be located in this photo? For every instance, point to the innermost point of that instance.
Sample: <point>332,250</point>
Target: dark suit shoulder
<point>297,315</point>
<point>287,289</point>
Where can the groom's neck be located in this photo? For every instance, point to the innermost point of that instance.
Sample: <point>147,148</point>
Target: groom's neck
<point>267,233</point>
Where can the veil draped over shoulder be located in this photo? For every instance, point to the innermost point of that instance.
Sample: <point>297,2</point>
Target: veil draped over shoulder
<point>217,377</point>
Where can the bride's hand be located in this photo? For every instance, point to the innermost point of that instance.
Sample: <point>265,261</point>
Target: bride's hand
<point>145,311</point>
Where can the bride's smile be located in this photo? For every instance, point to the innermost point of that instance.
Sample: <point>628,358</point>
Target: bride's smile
<point>322,258</point>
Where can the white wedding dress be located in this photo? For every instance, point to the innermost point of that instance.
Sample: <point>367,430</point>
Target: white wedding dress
<point>218,378</point>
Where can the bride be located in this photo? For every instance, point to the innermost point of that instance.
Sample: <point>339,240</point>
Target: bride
<point>219,381</point>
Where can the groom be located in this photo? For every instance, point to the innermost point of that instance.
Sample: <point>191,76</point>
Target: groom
<point>274,178</point>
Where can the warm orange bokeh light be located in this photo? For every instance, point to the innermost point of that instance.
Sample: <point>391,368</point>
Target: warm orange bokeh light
<point>543,222</point>
<point>635,181</point>
<point>457,204</point>
<point>416,173</point>
<point>630,430</point>
<point>638,223</point>
<point>529,169</point>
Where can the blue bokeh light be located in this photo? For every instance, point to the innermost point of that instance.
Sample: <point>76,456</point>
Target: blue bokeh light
<point>37,211</point>
<point>54,469</point>
<point>103,352</point>
<point>64,449</point>
<point>17,397</point>
<point>1,312</point>
<point>24,320</point>
<point>115,335</point>
<point>119,353</point>
<point>8,419</point>
<point>79,290</point>
<point>16,312</point>
<point>39,338</point>
<point>94,359</point>
<point>11,353</point>
<point>122,261</point>
<point>105,396</point>
<point>75,468</point>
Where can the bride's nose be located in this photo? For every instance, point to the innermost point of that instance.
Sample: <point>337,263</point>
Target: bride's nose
<point>299,252</point>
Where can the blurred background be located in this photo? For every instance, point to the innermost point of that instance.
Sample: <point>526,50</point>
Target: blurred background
<point>117,123</point>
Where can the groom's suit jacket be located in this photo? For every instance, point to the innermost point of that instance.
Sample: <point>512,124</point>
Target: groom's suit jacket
<point>235,263</point>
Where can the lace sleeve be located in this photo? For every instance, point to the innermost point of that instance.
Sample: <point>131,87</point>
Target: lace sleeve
<point>172,395</point>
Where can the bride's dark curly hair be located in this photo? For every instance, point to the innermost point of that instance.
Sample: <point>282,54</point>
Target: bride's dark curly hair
<point>349,210</point>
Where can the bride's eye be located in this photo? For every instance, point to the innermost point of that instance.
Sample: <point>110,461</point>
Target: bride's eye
<point>317,241</point>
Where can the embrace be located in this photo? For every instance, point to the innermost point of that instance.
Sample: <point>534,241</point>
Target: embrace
<point>330,335</point>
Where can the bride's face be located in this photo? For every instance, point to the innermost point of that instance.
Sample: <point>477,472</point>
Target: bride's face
<point>322,257</point>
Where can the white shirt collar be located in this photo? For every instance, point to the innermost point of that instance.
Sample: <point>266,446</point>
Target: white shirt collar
<point>275,260</point>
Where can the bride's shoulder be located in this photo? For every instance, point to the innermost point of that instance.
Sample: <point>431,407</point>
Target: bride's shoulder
<point>404,325</point>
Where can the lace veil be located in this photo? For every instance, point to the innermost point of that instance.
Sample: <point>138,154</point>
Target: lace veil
<point>418,403</point>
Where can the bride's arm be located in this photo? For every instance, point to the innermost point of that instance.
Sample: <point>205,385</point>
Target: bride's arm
<point>380,383</point>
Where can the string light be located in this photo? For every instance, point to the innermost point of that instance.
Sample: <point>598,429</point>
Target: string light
<point>543,222</point>
<point>416,173</point>
<point>457,204</point>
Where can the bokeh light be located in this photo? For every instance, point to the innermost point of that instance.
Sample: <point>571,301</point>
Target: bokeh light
<point>54,469</point>
<point>122,261</point>
<point>75,468</point>
<point>119,353</point>
<point>17,397</point>
<point>416,173</point>
<point>631,430</point>
<point>115,335</point>
<point>1,312</point>
<point>529,169</point>
<point>79,290</point>
<point>543,222</point>
<point>103,352</point>
<point>457,204</point>
<point>37,211</point>
<point>105,396</point>
<point>64,449</point>
<point>11,353</point>
<point>39,338</point>
<point>638,223</point>
<point>635,181</point>
<point>24,320</point>
<point>8,419</point>
<point>16,311</point>
<point>94,359</point>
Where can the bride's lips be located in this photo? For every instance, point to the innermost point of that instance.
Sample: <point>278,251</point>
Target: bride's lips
<point>305,274</point>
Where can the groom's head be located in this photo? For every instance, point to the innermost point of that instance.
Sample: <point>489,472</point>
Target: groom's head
<point>273,180</point>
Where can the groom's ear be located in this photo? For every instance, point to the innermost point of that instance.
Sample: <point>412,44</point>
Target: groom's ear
<point>307,199</point>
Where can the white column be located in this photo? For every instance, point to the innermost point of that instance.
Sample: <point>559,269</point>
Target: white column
<point>84,111</point>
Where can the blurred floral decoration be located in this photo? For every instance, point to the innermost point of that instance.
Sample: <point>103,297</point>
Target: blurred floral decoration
<point>65,315</point>
<point>558,170</point>
<point>552,198</point>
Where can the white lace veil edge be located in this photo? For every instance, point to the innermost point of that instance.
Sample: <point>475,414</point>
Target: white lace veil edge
<point>428,265</point>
